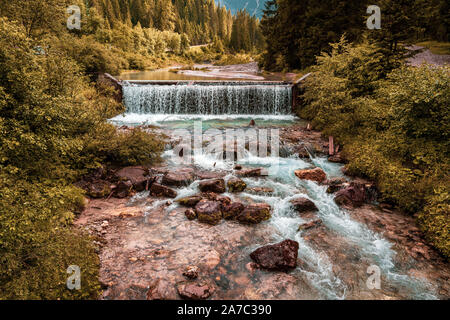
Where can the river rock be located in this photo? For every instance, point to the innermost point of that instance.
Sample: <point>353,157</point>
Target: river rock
<point>158,190</point>
<point>280,257</point>
<point>195,290</point>
<point>232,210</point>
<point>123,189</point>
<point>335,184</point>
<point>303,204</point>
<point>216,186</point>
<point>337,158</point>
<point>236,185</point>
<point>260,190</point>
<point>315,174</point>
<point>209,211</point>
<point>190,201</point>
<point>208,175</point>
<point>99,189</point>
<point>191,272</point>
<point>224,200</point>
<point>310,225</point>
<point>255,213</point>
<point>137,175</point>
<point>179,178</point>
<point>249,172</point>
<point>190,214</point>
<point>354,195</point>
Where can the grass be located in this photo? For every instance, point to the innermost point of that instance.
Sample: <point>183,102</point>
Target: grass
<point>436,47</point>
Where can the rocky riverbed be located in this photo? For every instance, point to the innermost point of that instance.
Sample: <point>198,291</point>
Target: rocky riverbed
<point>220,230</point>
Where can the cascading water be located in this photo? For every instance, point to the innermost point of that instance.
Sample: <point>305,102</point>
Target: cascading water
<point>230,98</point>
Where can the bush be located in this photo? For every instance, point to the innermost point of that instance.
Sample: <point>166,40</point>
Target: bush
<point>395,128</point>
<point>435,220</point>
<point>107,145</point>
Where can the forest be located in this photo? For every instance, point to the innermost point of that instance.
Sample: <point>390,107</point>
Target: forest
<point>392,120</point>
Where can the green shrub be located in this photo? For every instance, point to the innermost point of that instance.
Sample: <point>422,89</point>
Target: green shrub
<point>107,145</point>
<point>435,219</point>
<point>395,128</point>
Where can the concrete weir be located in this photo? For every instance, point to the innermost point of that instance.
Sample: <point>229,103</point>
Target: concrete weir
<point>206,96</point>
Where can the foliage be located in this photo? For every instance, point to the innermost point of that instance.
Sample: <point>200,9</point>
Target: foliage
<point>49,117</point>
<point>395,129</point>
<point>436,47</point>
<point>297,32</point>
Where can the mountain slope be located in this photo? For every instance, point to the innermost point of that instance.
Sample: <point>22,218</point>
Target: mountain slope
<point>254,7</point>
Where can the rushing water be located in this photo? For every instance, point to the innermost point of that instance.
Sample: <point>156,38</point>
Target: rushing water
<point>371,246</point>
<point>232,105</point>
<point>238,98</point>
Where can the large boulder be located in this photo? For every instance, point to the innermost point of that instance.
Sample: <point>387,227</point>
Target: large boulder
<point>232,210</point>
<point>158,190</point>
<point>209,211</point>
<point>179,178</point>
<point>195,290</point>
<point>354,195</point>
<point>236,185</point>
<point>255,213</point>
<point>315,174</point>
<point>190,201</point>
<point>280,257</point>
<point>216,186</point>
<point>137,175</point>
<point>303,204</point>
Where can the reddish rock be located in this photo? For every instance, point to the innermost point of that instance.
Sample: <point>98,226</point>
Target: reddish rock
<point>190,214</point>
<point>353,195</point>
<point>335,184</point>
<point>158,190</point>
<point>236,185</point>
<point>315,174</point>
<point>310,225</point>
<point>189,201</point>
<point>260,190</point>
<point>216,186</point>
<point>123,189</point>
<point>303,204</point>
<point>209,212</point>
<point>179,178</point>
<point>137,175</point>
<point>224,200</point>
<point>257,172</point>
<point>191,272</point>
<point>208,175</point>
<point>255,213</point>
<point>232,210</point>
<point>337,158</point>
<point>191,290</point>
<point>252,123</point>
<point>281,256</point>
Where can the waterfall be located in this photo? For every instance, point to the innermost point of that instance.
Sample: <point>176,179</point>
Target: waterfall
<point>218,98</point>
